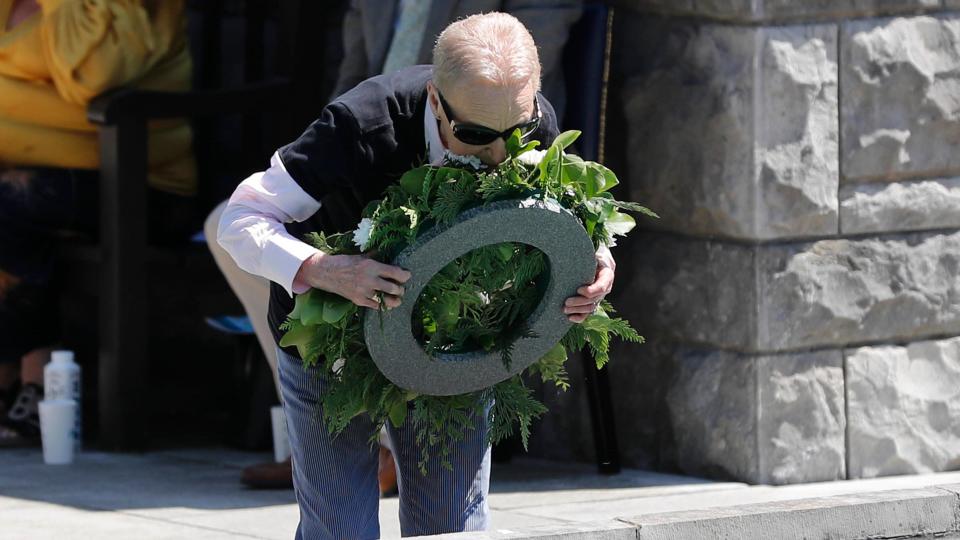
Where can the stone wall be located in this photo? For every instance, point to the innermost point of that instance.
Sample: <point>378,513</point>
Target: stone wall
<point>801,291</point>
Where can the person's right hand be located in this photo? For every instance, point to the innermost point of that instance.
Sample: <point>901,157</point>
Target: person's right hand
<point>356,278</point>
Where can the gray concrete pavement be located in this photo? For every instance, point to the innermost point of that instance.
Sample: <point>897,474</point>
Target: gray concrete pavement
<point>196,494</point>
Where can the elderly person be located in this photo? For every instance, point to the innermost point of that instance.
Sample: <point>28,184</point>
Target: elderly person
<point>382,36</point>
<point>483,85</point>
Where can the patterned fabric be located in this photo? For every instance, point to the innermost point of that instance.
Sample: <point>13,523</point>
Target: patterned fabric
<point>335,479</point>
<point>408,35</point>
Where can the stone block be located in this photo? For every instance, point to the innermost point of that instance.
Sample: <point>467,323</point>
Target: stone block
<point>900,113</point>
<point>836,292</point>
<point>837,9</point>
<point>900,206</point>
<point>769,298</point>
<point>904,408</point>
<point>733,131</point>
<point>754,11</point>
<point>688,290</point>
<point>800,417</point>
<point>764,419</point>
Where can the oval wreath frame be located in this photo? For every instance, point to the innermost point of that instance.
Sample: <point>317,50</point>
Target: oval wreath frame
<point>543,224</point>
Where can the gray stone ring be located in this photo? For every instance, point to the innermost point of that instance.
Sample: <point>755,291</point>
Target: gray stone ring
<point>544,225</point>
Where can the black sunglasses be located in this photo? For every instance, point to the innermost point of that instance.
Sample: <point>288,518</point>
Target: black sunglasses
<point>475,135</point>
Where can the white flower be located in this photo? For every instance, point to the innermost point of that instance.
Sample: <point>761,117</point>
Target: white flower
<point>531,157</point>
<point>362,235</point>
<point>618,224</point>
<point>463,161</point>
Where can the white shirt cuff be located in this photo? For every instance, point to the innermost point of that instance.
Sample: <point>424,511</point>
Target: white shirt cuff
<point>606,257</point>
<point>282,258</point>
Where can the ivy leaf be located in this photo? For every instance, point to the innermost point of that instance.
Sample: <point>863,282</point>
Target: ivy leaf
<point>297,335</point>
<point>398,413</point>
<point>603,179</point>
<point>515,145</point>
<point>529,146</point>
<point>311,310</point>
<point>619,224</point>
<point>298,303</point>
<point>547,162</point>
<point>412,181</point>
<point>335,307</point>
<point>574,169</point>
<point>566,138</point>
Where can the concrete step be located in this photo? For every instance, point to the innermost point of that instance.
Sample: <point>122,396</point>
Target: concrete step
<point>196,493</point>
<point>932,512</point>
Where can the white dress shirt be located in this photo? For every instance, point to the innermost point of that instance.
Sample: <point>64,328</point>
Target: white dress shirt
<point>251,227</point>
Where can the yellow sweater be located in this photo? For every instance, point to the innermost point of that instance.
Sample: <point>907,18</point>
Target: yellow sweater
<point>54,63</point>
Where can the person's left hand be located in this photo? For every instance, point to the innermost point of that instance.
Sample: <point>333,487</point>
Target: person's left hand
<point>578,308</point>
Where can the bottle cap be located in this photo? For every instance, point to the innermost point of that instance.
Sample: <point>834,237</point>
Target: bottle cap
<point>62,357</point>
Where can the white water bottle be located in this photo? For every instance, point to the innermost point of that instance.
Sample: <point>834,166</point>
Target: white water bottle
<point>61,380</point>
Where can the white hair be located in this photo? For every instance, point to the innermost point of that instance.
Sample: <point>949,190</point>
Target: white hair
<point>492,47</point>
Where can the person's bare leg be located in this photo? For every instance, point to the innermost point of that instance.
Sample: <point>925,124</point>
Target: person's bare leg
<point>252,291</point>
<point>31,366</point>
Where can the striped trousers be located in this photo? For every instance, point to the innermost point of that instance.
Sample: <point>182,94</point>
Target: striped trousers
<point>335,479</point>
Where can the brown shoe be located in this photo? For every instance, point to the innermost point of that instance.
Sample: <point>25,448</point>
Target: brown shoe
<point>387,474</point>
<point>269,475</point>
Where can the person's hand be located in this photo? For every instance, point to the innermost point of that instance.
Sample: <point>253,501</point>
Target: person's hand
<point>578,308</point>
<point>355,277</point>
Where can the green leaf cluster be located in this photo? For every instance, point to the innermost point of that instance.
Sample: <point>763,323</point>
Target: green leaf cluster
<point>481,301</point>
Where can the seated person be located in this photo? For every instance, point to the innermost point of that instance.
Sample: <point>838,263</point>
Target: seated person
<point>55,56</point>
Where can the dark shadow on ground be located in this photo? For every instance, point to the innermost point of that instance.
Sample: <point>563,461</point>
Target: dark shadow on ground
<point>209,479</point>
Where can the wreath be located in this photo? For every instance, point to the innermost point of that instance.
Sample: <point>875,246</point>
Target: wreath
<point>478,302</point>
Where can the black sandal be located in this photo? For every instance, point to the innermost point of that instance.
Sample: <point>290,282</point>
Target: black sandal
<point>21,425</point>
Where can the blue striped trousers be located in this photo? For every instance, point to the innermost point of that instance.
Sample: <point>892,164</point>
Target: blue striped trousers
<point>335,479</point>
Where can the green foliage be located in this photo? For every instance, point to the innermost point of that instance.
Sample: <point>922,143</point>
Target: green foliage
<point>481,301</point>
<point>452,196</point>
<point>551,368</point>
<point>513,403</point>
<point>516,147</point>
